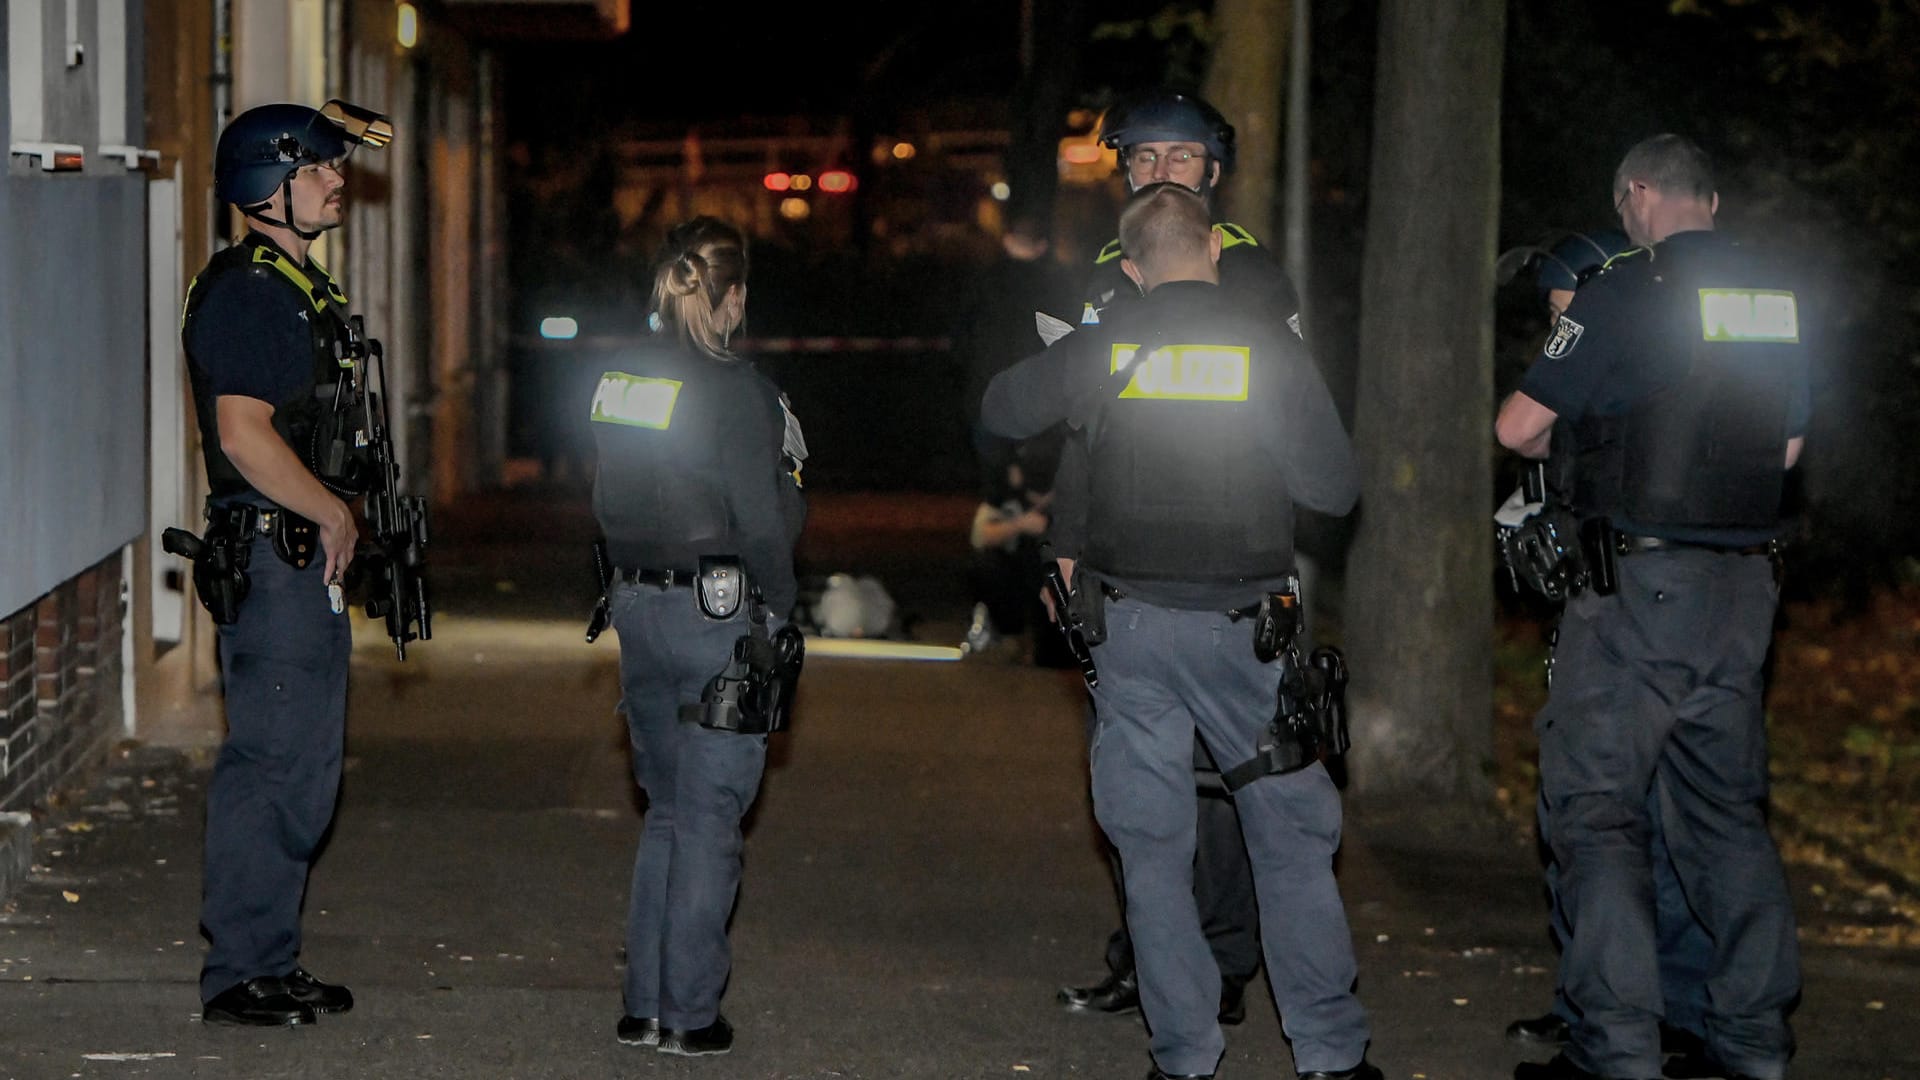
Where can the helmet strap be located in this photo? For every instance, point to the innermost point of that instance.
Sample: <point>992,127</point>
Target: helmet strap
<point>258,212</point>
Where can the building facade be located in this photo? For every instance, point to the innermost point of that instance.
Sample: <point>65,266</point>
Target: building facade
<point>112,111</point>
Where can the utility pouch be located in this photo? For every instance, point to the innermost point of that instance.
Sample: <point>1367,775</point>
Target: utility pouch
<point>1278,622</point>
<point>219,569</point>
<point>1598,541</point>
<point>1087,603</point>
<point>721,587</point>
<point>295,539</point>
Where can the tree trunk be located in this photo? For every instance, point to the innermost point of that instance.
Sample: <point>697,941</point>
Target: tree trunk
<point>1419,584</point>
<point>1246,81</point>
<point>1053,35</point>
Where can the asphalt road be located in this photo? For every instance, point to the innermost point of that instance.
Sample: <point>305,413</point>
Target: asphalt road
<point>922,873</point>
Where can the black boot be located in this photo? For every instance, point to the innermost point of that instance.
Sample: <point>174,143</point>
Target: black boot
<point>1117,993</point>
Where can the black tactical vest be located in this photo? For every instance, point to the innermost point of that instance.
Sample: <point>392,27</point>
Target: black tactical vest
<point>305,418</point>
<point>1180,490</point>
<point>1707,450</point>
<point>658,492</point>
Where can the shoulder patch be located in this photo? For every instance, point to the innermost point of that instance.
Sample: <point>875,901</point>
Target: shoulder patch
<point>1232,235</point>
<point>1108,253</point>
<point>1566,335</point>
<point>1089,315</point>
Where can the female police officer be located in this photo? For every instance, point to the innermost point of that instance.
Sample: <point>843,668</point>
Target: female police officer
<point>697,492</point>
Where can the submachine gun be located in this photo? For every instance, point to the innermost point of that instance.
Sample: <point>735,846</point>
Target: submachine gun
<point>392,560</point>
<point>1310,716</point>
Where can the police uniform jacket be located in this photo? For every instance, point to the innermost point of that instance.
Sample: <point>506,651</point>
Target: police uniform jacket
<point>1203,424</point>
<point>1249,273</point>
<point>691,464</point>
<point>1679,373</point>
<point>256,324</point>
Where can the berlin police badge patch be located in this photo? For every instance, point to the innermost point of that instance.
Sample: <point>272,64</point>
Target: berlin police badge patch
<point>1566,334</point>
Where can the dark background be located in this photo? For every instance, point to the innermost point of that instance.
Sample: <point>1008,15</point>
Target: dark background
<point>1808,114</point>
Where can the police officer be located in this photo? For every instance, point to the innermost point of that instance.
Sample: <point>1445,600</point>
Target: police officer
<point>697,492</point>
<point>1686,954</point>
<point>1164,135</point>
<point>1204,424</point>
<point>1681,374</point>
<point>264,333</point>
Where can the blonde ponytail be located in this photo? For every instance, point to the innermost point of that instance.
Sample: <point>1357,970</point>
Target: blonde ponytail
<point>701,261</point>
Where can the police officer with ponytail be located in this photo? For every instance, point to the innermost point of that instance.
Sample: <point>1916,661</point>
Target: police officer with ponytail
<point>1203,424</point>
<point>266,336</point>
<point>1678,382</point>
<point>697,492</point>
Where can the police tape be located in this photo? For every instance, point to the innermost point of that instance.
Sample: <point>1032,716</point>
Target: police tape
<point>765,345</point>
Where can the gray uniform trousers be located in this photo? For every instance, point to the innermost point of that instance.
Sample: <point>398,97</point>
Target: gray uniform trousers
<point>1657,692</point>
<point>1164,674</point>
<point>699,784</point>
<point>283,668</point>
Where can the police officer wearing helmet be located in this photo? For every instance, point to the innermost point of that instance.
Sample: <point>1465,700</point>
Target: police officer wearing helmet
<point>1168,136</point>
<point>1682,377</point>
<point>264,330</point>
<point>1204,424</point>
<point>697,492</point>
<point>1686,954</point>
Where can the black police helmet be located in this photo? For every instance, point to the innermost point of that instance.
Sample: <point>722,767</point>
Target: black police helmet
<point>1574,259</point>
<point>1168,116</point>
<point>261,147</point>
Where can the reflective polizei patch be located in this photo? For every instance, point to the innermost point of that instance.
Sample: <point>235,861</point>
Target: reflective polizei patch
<point>1747,315</point>
<point>1185,372</point>
<point>635,401</point>
<point>1566,334</point>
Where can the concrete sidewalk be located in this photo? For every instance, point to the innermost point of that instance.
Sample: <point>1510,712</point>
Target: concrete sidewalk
<point>922,874</point>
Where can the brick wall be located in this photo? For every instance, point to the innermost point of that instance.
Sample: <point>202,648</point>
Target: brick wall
<point>60,671</point>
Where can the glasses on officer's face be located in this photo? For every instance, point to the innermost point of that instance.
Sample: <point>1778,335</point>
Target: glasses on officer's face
<point>1146,160</point>
<point>1620,203</point>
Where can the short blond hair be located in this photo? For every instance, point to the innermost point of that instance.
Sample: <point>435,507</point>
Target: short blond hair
<point>1165,222</point>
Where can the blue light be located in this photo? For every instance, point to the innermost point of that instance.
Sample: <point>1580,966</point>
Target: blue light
<point>559,328</point>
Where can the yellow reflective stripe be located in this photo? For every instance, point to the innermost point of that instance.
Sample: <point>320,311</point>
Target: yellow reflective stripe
<point>1746,315</point>
<point>294,274</point>
<point>1121,356</point>
<point>1188,373</point>
<point>1108,253</point>
<point>186,302</point>
<point>1232,235</point>
<point>635,401</point>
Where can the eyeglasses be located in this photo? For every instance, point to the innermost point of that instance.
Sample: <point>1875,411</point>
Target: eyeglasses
<point>1619,204</point>
<point>1147,159</point>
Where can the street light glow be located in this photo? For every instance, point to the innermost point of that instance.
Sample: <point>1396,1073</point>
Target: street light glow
<point>407,25</point>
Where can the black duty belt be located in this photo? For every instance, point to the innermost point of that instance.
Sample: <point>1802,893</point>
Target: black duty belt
<point>1234,614</point>
<point>1629,544</point>
<point>659,579</point>
<point>245,520</point>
